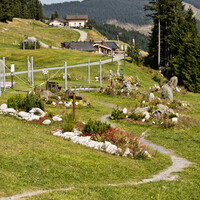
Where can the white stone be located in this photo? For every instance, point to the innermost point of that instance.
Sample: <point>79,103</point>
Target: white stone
<point>33,117</point>
<point>76,103</point>
<point>151,97</point>
<point>34,110</point>
<point>153,122</point>
<point>175,120</point>
<point>24,115</point>
<point>177,89</point>
<point>10,110</point>
<point>143,102</point>
<point>59,98</point>
<point>127,152</point>
<point>143,120</point>
<point>60,103</point>
<point>57,119</point>
<point>53,103</point>
<point>146,114</point>
<point>46,122</point>
<point>3,107</point>
<point>68,135</point>
<point>125,111</point>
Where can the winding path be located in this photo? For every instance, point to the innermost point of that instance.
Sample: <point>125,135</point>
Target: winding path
<point>83,35</point>
<point>178,165</point>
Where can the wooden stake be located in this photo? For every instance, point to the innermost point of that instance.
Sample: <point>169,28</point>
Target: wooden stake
<point>74,105</point>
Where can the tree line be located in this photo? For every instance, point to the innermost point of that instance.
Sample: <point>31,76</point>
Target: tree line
<point>179,42</point>
<point>27,9</point>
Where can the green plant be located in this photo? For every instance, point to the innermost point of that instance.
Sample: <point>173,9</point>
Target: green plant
<point>136,116</point>
<point>32,100</point>
<point>49,101</point>
<point>68,122</point>
<point>15,102</point>
<point>117,114</point>
<point>49,113</point>
<point>95,127</point>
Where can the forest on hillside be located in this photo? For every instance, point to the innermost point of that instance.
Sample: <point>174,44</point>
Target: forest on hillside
<point>196,3</point>
<point>28,9</point>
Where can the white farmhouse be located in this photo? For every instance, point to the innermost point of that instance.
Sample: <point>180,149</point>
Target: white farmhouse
<point>77,20</point>
<point>58,22</point>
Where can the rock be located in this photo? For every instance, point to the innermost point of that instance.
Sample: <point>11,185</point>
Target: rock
<point>173,82</point>
<point>127,152</point>
<point>69,93</point>
<point>143,102</point>
<point>46,94</point>
<point>109,148</point>
<point>167,93</point>
<point>60,103</point>
<point>37,110</point>
<point>24,115</point>
<point>46,122</point>
<point>147,116</point>
<point>10,110</point>
<point>3,107</point>
<point>33,117</point>
<point>143,120</point>
<point>68,135</point>
<point>54,103</point>
<point>177,89</point>
<point>175,120</point>
<point>151,97</point>
<point>57,119</point>
<point>127,87</point>
<point>163,107</point>
<point>141,110</point>
<point>125,111</point>
<point>158,114</point>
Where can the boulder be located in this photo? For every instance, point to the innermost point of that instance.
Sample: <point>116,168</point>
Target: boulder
<point>37,110</point>
<point>173,82</point>
<point>158,114</point>
<point>57,119</point>
<point>33,117</point>
<point>127,87</point>
<point>167,93</point>
<point>46,122</point>
<point>151,97</point>
<point>24,115</point>
<point>3,107</point>
<point>141,110</point>
<point>46,94</point>
<point>10,110</point>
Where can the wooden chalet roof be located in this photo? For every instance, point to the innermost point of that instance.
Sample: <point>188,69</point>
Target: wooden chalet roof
<point>59,20</point>
<point>77,17</point>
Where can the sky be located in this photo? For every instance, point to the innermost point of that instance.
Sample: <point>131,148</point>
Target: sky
<point>55,1</point>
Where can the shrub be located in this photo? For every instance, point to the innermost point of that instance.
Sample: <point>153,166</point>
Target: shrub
<point>32,101</point>
<point>15,102</point>
<point>157,79</point>
<point>49,101</point>
<point>168,124</point>
<point>50,114</point>
<point>136,116</point>
<point>95,127</point>
<point>117,114</point>
<point>68,122</point>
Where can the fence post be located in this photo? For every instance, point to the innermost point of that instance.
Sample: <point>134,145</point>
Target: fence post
<point>28,68</point>
<point>89,71</point>
<point>65,75</point>
<point>4,78</point>
<point>32,71</point>
<point>100,74</point>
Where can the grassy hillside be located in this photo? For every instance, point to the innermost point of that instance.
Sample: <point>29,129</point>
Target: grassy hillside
<point>14,32</point>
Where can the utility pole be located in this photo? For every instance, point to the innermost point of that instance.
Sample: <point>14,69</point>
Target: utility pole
<point>100,73</point>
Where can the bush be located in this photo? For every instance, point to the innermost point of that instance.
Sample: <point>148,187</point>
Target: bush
<point>68,122</point>
<point>117,114</point>
<point>157,79</point>
<point>15,102</point>
<point>95,127</point>
<point>136,116</point>
<point>50,114</point>
<point>32,101</point>
<point>49,101</point>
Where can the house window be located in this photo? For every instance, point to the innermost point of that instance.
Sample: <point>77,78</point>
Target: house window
<point>74,24</point>
<point>80,24</point>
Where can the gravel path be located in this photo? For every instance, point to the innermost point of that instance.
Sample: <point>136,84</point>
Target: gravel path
<point>83,35</point>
